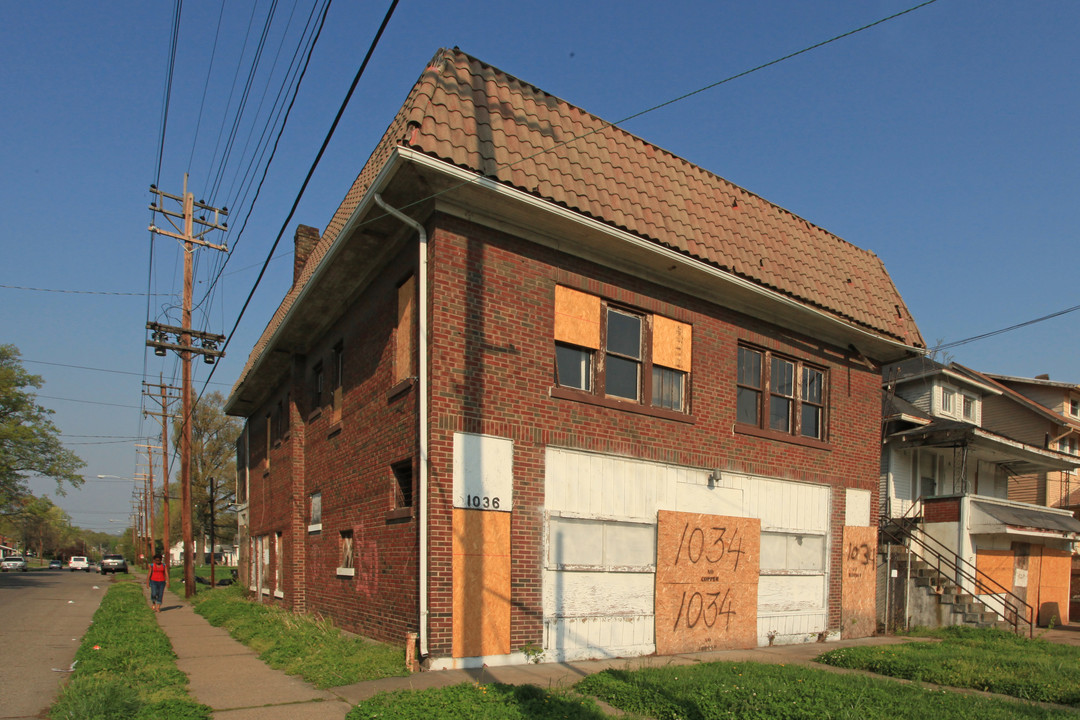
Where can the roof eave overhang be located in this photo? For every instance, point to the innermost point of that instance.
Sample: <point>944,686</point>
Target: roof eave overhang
<point>296,327</point>
<point>567,230</point>
<point>464,193</point>
<point>1020,456</point>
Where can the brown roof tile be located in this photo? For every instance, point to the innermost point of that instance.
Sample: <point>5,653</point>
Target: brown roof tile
<point>477,117</point>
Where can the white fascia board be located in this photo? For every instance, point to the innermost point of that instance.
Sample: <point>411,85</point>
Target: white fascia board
<point>669,256</point>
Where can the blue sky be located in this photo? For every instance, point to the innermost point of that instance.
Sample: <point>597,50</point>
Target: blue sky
<point>944,141</point>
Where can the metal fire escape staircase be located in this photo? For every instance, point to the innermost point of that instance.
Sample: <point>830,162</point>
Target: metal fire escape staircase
<point>980,600</point>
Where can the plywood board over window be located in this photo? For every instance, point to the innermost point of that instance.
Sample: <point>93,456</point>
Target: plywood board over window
<point>706,582</point>
<point>858,588</point>
<point>577,318</point>
<point>403,341</point>
<point>996,566</point>
<point>1054,581</point>
<point>672,343</point>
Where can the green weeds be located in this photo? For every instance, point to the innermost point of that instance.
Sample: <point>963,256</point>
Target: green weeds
<point>982,659</point>
<point>774,692</point>
<point>125,667</point>
<point>472,701</point>
<point>299,644</point>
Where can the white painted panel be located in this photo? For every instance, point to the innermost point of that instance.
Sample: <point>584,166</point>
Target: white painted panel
<point>576,542</point>
<point>629,544</point>
<point>483,472</point>
<point>570,639</point>
<point>579,594</point>
<point>791,628</point>
<point>692,497</point>
<point>857,512</point>
<point>806,552</point>
<point>773,551</point>
<point>790,593</point>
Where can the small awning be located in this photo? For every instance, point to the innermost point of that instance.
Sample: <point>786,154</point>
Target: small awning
<point>1014,518</point>
<point>1018,457</point>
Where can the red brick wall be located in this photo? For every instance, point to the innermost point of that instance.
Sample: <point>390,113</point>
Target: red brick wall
<point>492,326</point>
<point>945,510</point>
<point>492,370</point>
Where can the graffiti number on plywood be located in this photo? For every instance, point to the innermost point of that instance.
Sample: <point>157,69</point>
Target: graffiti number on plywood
<point>711,545</point>
<point>698,611</point>
<point>860,553</point>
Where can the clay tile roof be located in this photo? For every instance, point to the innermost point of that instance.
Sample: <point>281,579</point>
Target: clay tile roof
<point>467,113</point>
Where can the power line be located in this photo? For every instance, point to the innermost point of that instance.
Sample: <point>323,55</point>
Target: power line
<point>82,292</point>
<point>89,402</point>
<point>965,341</point>
<point>311,171</point>
<point>95,369</point>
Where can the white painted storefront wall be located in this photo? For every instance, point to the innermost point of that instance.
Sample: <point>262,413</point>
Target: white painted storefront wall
<point>600,549</point>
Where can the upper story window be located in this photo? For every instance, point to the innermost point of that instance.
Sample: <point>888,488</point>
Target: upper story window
<point>1074,407</point>
<point>315,512</point>
<point>970,413</point>
<point>316,386</point>
<point>405,331</point>
<point>619,353</point>
<point>947,401</point>
<point>780,394</point>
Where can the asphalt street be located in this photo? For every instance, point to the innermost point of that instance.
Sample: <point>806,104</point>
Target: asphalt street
<point>43,616</point>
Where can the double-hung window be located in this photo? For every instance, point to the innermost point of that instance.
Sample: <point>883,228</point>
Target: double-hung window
<point>617,354</point>
<point>780,395</point>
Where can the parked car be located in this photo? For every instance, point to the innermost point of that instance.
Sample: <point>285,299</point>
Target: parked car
<point>13,562</point>
<point>56,565</point>
<point>113,564</point>
<point>78,562</point>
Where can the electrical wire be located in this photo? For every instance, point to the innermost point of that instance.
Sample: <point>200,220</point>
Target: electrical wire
<point>992,333</point>
<point>81,292</point>
<point>307,178</point>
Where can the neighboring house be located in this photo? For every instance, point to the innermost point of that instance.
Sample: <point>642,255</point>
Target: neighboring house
<point>1042,412</point>
<point>581,397</point>
<point>947,478</point>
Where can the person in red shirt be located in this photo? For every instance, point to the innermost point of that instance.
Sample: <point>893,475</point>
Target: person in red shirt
<point>157,579</point>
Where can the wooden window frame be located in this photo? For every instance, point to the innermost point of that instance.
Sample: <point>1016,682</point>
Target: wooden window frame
<point>337,380</point>
<point>766,391</point>
<point>597,394</point>
<point>317,380</point>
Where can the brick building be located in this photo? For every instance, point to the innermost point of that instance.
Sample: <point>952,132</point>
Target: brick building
<point>540,386</point>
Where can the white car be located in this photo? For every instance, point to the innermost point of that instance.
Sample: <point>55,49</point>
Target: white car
<point>13,562</point>
<point>79,562</point>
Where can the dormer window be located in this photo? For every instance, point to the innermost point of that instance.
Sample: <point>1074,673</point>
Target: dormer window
<point>947,401</point>
<point>969,408</point>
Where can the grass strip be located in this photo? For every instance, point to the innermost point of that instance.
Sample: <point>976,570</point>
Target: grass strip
<point>125,667</point>
<point>979,658</point>
<point>299,644</point>
<point>753,691</point>
<point>473,701</point>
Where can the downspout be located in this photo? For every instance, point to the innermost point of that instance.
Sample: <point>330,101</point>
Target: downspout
<point>423,392</point>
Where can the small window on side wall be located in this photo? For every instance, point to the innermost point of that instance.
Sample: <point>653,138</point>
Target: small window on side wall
<point>403,484</point>
<point>315,512</point>
<point>346,559</point>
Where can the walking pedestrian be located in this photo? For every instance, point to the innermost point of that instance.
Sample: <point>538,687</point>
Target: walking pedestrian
<point>157,579</point>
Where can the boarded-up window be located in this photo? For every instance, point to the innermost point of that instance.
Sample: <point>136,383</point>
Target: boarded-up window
<point>405,336</point>
<point>620,353</point>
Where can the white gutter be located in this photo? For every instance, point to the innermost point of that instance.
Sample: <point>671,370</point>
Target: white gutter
<point>422,383</point>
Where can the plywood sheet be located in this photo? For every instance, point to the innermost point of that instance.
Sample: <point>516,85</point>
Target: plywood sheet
<point>577,318</point>
<point>706,582</point>
<point>858,589</point>
<point>481,583</point>
<point>403,345</point>
<point>1054,587</point>
<point>672,343</point>
<point>997,565</point>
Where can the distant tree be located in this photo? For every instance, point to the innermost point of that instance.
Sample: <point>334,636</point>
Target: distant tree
<point>213,455</point>
<point>29,442</point>
<point>45,527</point>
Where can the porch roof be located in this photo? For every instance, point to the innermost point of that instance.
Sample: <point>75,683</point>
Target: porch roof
<point>995,517</point>
<point>1018,457</point>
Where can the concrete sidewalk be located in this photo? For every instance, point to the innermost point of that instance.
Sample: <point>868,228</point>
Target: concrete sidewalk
<point>227,676</point>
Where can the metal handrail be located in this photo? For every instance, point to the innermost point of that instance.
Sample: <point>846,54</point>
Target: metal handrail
<point>1011,611</point>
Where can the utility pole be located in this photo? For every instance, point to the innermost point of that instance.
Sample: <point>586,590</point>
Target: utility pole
<point>150,492</point>
<point>165,417</point>
<point>208,342</point>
